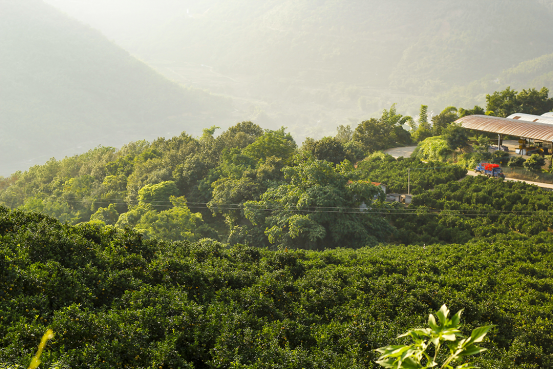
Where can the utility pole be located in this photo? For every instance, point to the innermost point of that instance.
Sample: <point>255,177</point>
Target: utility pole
<point>408,181</point>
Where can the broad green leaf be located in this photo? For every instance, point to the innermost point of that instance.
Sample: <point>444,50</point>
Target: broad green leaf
<point>389,350</point>
<point>456,319</point>
<point>479,333</point>
<point>449,337</point>
<point>399,352</point>
<point>442,314</point>
<point>432,322</point>
<point>471,350</point>
<point>418,334</point>
<point>409,363</point>
<point>387,363</point>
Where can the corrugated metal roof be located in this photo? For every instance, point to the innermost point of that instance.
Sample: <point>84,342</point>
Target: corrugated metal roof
<point>531,118</point>
<point>550,114</point>
<point>505,126</point>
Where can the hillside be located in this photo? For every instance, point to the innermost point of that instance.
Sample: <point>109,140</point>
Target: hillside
<point>66,88</point>
<point>331,41</point>
<point>244,250</point>
<point>115,300</point>
<point>184,188</point>
<point>310,65</point>
<point>534,73</point>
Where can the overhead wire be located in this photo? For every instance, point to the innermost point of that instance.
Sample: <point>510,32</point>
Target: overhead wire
<point>334,209</point>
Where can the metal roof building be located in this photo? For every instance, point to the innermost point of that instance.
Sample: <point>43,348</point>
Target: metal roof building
<point>506,126</point>
<point>532,118</point>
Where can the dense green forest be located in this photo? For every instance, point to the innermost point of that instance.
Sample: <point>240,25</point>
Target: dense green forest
<point>66,89</point>
<point>247,185</point>
<point>115,299</point>
<point>309,66</point>
<point>257,187</point>
<point>476,207</point>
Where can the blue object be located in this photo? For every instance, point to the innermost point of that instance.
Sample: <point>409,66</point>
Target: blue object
<point>491,170</point>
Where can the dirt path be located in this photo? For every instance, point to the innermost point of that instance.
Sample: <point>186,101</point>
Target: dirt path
<point>548,186</point>
<point>406,151</point>
<point>396,152</point>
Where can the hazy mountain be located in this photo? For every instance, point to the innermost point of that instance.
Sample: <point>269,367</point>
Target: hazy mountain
<point>65,88</point>
<point>312,64</point>
<point>534,73</point>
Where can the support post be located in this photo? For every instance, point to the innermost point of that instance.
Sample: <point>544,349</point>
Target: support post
<point>408,181</point>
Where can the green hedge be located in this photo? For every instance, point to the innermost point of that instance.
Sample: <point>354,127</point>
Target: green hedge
<point>116,300</point>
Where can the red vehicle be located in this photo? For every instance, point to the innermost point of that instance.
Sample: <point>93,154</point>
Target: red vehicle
<point>491,170</point>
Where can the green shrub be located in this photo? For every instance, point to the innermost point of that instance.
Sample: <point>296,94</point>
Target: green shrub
<point>432,148</point>
<point>534,163</point>
<point>516,161</point>
<point>500,157</point>
<point>117,300</point>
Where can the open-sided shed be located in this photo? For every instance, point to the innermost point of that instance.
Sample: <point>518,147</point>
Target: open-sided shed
<point>511,127</point>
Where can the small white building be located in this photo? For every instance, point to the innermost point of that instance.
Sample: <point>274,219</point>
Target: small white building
<point>544,119</point>
<point>381,185</point>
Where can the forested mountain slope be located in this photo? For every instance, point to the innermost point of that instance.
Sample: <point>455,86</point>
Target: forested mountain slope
<point>405,43</point>
<point>64,86</point>
<point>247,185</point>
<point>311,64</point>
<point>532,73</point>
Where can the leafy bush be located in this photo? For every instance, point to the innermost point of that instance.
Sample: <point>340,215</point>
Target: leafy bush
<point>432,148</point>
<point>534,163</point>
<point>444,333</point>
<point>392,172</point>
<point>476,207</point>
<point>115,299</point>
<point>500,157</point>
<point>516,161</point>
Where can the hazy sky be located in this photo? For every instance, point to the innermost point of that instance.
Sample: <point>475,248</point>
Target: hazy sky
<point>121,20</point>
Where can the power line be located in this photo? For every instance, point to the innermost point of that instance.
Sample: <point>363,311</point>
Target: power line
<point>336,209</point>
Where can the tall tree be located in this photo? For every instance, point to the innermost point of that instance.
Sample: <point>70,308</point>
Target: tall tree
<point>319,208</point>
<point>327,148</point>
<point>345,133</point>
<point>474,111</point>
<point>373,134</point>
<point>441,121</point>
<point>423,130</point>
<point>385,132</point>
<point>272,143</point>
<point>456,136</point>
<point>507,102</point>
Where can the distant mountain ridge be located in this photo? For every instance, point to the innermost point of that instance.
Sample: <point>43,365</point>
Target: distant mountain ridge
<point>64,85</point>
<point>316,63</point>
<point>534,73</point>
<point>422,46</point>
<point>311,65</point>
